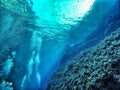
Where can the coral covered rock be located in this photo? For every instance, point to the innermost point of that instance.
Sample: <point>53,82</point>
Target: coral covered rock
<point>5,85</point>
<point>97,68</point>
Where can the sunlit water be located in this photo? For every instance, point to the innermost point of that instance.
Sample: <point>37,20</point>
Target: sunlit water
<point>59,25</point>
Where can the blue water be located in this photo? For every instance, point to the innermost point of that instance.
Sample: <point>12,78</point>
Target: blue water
<point>57,32</point>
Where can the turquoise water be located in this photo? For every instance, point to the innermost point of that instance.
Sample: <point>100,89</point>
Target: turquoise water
<point>37,36</point>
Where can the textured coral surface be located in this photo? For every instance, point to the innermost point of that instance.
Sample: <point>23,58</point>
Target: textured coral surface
<point>97,68</point>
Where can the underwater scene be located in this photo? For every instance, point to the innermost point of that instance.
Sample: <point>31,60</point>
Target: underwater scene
<point>59,44</point>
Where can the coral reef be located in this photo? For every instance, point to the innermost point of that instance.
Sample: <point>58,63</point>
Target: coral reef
<point>97,68</point>
<point>5,85</point>
<point>5,70</point>
<point>14,22</point>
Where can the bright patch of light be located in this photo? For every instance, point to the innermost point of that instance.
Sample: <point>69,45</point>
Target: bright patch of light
<point>87,4</point>
<point>37,6</point>
<point>61,11</point>
<point>38,78</point>
<point>74,10</point>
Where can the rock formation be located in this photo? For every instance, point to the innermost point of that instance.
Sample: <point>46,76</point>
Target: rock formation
<point>97,68</point>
